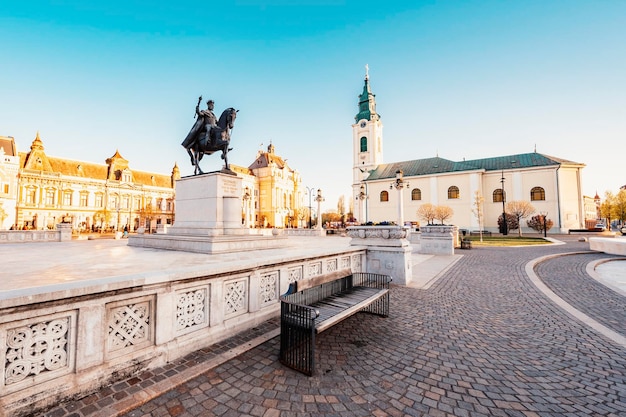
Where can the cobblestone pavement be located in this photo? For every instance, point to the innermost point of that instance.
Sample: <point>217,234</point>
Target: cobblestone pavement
<point>481,341</point>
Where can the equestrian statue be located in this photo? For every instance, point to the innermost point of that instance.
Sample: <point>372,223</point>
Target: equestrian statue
<point>209,135</point>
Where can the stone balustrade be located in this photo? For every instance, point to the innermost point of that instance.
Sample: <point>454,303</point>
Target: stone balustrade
<point>67,340</point>
<point>62,233</point>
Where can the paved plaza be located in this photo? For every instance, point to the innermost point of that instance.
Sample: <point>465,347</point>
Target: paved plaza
<point>479,334</point>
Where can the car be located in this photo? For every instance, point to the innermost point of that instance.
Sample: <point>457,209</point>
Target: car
<point>599,226</point>
<point>623,230</point>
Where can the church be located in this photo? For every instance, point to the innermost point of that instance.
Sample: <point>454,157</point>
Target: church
<point>394,191</point>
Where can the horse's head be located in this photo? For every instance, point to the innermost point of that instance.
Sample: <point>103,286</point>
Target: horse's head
<point>227,119</point>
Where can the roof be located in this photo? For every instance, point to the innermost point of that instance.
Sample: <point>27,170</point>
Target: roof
<point>7,144</point>
<point>432,166</point>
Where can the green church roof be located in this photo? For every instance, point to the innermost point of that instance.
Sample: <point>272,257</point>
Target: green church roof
<point>431,166</point>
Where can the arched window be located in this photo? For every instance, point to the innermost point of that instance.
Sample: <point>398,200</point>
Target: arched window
<point>416,194</point>
<point>363,144</point>
<point>498,195</point>
<point>384,196</point>
<point>537,194</point>
<point>453,192</point>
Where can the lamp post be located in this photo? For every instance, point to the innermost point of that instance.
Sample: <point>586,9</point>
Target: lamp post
<point>246,207</point>
<point>319,200</point>
<point>399,184</point>
<point>310,193</point>
<point>362,196</point>
<point>504,225</point>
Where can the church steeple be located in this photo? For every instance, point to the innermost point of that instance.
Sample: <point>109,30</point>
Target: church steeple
<point>367,101</point>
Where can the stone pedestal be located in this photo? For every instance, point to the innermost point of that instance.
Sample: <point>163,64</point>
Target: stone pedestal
<point>388,250</point>
<point>208,219</point>
<point>439,240</point>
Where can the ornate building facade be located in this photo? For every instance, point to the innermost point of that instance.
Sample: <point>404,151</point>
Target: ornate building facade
<point>394,191</point>
<point>111,196</point>
<point>272,192</point>
<point>9,168</point>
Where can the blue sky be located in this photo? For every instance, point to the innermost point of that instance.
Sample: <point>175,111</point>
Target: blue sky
<point>461,79</point>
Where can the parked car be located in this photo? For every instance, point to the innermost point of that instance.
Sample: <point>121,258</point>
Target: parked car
<point>623,229</point>
<point>600,226</point>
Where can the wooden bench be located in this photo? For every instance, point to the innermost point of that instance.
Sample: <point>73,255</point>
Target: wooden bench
<point>313,305</point>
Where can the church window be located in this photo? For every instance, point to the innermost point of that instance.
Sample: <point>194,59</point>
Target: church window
<point>384,196</point>
<point>416,194</point>
<point>363,144</point>
<point>499,195</point>
<point>453,192</point>
<point>537,194</point>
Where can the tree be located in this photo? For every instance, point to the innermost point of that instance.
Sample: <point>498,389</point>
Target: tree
<point>608,208</point>
<point>478,211</point>
<point>511,222</point>
<point>620,205</point>
<point>520,210</point>
<point>3,215</point>
<point>537,223</point>
<point>341,208</point>
<point>442,213</point>
<point>426,212</point>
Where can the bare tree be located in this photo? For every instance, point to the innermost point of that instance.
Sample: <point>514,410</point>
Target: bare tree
<point>519,210</point>
<point>442,213</point>
<point>426,212</point>
<point>478,211</point>
<point>341,208</point>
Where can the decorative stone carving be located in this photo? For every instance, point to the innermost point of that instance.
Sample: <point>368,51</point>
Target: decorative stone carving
<point>331,265</point>
<point>129,326</point>
<point>191,309</point>
<point>356,263</point>
<point>315,269</point>
<point>377,232</point>
<point>235,296</point>
<point>35,349</point>
<point>345,262</point>
<point>267,288</point>
<point>295,274</point>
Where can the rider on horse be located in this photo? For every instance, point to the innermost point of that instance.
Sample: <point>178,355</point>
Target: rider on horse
<point>206,121</point>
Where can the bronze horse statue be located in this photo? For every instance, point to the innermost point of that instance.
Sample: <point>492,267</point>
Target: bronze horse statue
<point>213,140</point>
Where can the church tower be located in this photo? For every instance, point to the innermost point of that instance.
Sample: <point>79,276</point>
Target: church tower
<point>367,145</point>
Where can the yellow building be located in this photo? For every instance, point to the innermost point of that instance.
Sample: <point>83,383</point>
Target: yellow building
<point>272,192</point>
<point>90,196</point>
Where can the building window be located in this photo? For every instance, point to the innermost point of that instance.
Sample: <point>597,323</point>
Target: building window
<point>67,198</point>
<point>125,202</point>
<point>384,196</point>
<point>498,195</point>
<point>453,192</point>
<point>49,197</point>
<point>363,144</point>
<point>30,195</point>
<point>537,194</point>
<point>84,198</point>
<point>99,200</point>
<point>6,188</point>
<point>416,194</point>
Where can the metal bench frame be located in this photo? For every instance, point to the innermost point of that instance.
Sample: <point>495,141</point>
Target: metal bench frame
<point>314,305</point>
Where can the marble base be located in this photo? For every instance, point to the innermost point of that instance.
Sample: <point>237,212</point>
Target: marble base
<point>612,246</point>
<point>208,219</point>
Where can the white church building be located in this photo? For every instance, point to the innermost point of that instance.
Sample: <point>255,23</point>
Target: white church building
<point>394,191</point>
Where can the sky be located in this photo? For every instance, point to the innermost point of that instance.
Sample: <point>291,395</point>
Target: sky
<point>454,79</point>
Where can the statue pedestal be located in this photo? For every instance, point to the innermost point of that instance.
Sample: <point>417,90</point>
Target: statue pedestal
<point>208,219</point>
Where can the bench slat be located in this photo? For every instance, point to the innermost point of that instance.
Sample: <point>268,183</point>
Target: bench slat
<point>342,314</point>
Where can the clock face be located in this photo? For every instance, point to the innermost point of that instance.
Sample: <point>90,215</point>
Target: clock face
<point>363,124</point>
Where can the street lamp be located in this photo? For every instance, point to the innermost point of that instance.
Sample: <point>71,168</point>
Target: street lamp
<point>246,206</point>
<point>310,193</point>
<point>504,225</point>
<point>362,196</point>
<point>399,184</point>
<point>319,200</point>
